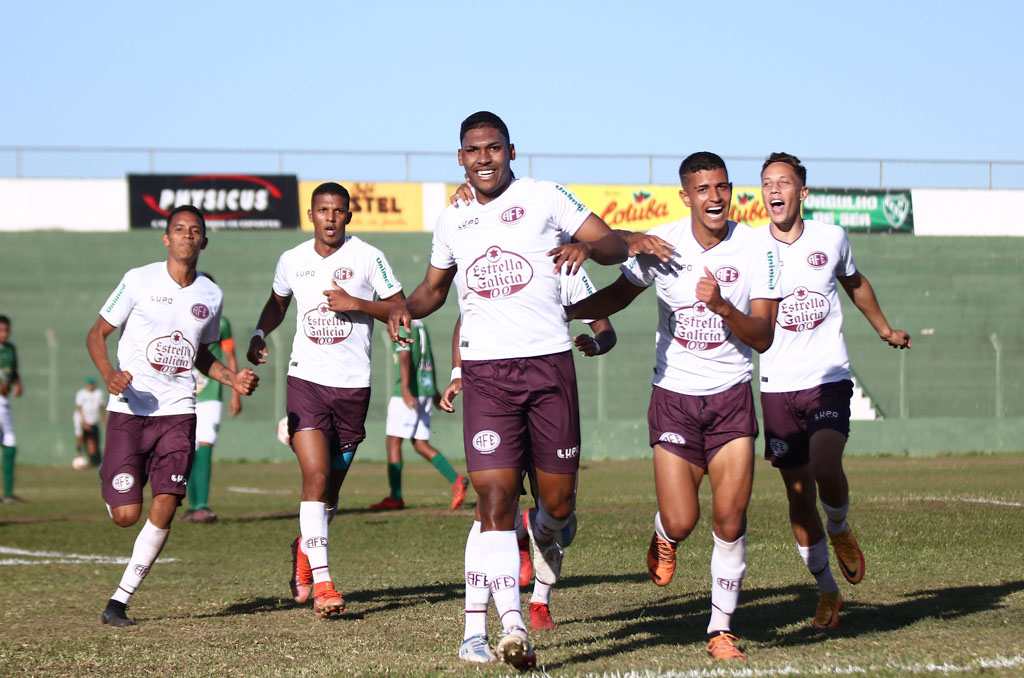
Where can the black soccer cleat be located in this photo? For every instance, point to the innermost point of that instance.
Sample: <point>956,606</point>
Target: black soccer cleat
<point>115,614</point>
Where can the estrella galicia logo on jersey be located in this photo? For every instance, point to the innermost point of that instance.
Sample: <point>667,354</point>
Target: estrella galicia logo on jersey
<point>486,441</point>
<point>674,438</point>
<point>698,328</point>
<point>498,273</point>
<point>172,354</point>
<point>323,326</point>
<point>200,311</point>
<point>803,310</point>
<point>726,275</point>
<point>123,482</point>
<point>817,260</point>
<point>778,447</point>
<point>342,274</point>
<point>513,214</point>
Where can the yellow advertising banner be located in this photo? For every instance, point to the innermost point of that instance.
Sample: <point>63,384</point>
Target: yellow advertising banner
<point>375,206</point>
<point>639,208</point>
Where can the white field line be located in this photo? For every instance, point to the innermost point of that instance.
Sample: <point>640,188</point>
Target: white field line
<point>256,490</point>
<point>971,500</point>
<point>982,664</point>
<point>58,558</point>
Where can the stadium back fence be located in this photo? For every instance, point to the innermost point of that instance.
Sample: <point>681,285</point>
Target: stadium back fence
<point>960,388</point>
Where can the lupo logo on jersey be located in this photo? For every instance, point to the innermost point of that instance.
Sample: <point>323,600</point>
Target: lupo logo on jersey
<point>498,273</point>
<point>226,200</point>
<point>726,275</point>
<point>323,326</point>
<point>513,214</point>
<point>698,328</point>
<point>817,260</point>
<point>172,354</point>
<point>343,274</point>
<point>200,311</point>
<point>803,310</point>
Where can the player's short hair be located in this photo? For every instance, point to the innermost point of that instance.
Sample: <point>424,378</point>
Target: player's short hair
<point>484,119</point>
<point>789,159</point>
<point>330,188</point>
<point>699,162</point>
<point>191,209</point>
<point>4,320</point>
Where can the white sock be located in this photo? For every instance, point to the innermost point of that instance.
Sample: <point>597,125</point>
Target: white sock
<point>541,592</point>
<point>728,565</point>
<point>545,527</point>
<point>659,529</point>
<point>478,593</point>
<point>147,547</point>
<point>520,527</point>
<point>816,559</point>
<point>501,564</point>
<point>836,522</point>
<point>313,524</point>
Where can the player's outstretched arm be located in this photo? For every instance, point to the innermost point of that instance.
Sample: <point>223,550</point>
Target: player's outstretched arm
<point>428,296</point>
<point>863,296</point>
<point>244,381</point>
<point>604,339</point>
<point>96,343</point>
<point>270,317</point>
<point>645,243</point>
<point>594,240</point>
<point>606,301</point>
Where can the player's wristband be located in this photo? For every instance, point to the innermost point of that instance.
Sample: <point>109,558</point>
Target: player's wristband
<point>259,333</point>
<point>597,347</point>
<point>456,373</point>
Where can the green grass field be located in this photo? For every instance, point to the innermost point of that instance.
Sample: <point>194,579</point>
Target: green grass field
<point>944,592</point>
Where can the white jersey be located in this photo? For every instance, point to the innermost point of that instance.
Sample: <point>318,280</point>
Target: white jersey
<point>90,402</point>
<point>163,327</point>
<point>809,349</point>
<point>576,288</point>
<point>696,354</point>
<point>333,349</point>
<point>509,293</point>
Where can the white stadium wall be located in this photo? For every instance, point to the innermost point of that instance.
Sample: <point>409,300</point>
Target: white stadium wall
<point>64,204</point>
<point>102,205</point>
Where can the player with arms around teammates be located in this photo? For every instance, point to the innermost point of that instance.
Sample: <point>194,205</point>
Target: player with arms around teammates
<point>169,315</point>
<point>806,384</point>
<point>518,375</point>
<point>716,282</point>
<point>333,278</point>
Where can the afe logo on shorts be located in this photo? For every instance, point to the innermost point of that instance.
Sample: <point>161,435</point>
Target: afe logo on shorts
<point>343,274</point>
<point>817,259</point>
<point>726,275</point>
<point>486,442</point>
<point>674,438</point>
<point>200,311</point>
<point>779,447</point>
<point>123,482</point>
<point>513,214</point>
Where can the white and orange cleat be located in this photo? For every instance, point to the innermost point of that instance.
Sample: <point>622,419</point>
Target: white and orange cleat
<point>302,575</point>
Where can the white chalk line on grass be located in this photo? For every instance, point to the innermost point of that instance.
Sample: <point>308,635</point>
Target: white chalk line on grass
<point>971,500</point>
<point>256,490</point>
<point>981,664</point>
<point>58,558</point>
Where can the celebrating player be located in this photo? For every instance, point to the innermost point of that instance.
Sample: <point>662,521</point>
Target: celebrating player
<point>333,278</point>
<point>805,378</point>
<point>518,373</point>
<point>170,315</point>
<point>716,283</point>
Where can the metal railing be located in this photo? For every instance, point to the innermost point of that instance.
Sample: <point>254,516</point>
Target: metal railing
<point>378,165</point>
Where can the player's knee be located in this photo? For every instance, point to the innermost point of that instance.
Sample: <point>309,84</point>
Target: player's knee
<point>126,516</point>
<point>678,528</point>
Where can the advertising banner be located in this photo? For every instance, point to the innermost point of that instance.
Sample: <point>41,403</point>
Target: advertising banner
<point>639,208</point>
<point>390,207</point>
<point>856,209</point>
<point>226,200</point>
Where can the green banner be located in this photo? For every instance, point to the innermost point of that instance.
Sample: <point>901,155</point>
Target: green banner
<point>865,210</point>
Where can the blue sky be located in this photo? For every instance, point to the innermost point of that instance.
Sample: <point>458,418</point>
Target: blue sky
<point>930,80</point>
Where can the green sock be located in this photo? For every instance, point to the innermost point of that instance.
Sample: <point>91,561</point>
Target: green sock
<point>441,464</point>
<point>199,480</point>
<point>395,479</point>
<point>8,468</point>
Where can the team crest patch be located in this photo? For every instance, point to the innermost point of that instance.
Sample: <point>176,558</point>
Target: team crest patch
<point>342,274</point>
<point>123,482</point>
<point>486,441</point>
<point>726,275</point>
<point>817,260</point>
<point>674,438</point>
<point>513,214</point>
<point>779,447</point>
<point>200,311</point>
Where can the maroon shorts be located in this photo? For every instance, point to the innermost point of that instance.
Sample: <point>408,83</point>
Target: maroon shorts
<point>521,412</point>
<point>791,418</point>
<point>140,449</point>
<point>339,412</point>
<point>696,427</point>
